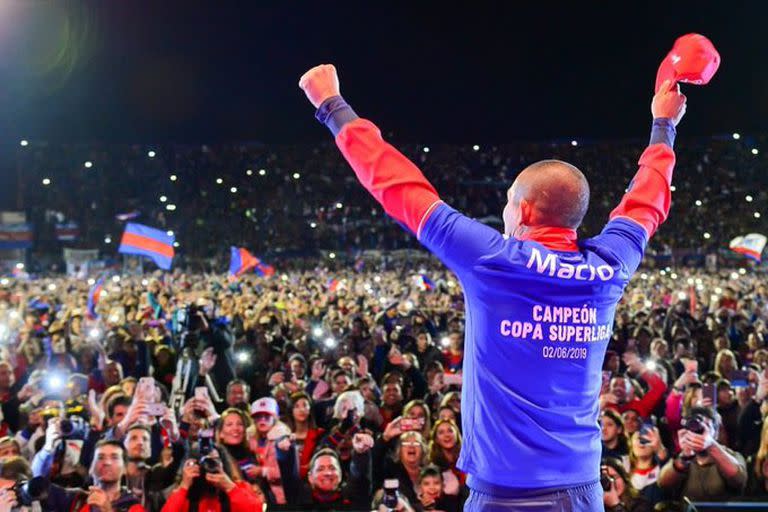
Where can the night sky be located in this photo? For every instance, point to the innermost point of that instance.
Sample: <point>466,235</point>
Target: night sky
<point>163,71</point>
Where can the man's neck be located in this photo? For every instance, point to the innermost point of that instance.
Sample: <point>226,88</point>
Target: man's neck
<point>112,489</point>
<point>552,237</point>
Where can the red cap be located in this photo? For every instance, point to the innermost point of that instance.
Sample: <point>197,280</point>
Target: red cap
<point>692,60</point>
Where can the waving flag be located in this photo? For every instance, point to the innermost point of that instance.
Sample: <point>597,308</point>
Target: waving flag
<point>263,269</point>
<point>241,261</point>
<point>150,242</point>
<point>426,282</point>
<point>93,298</point>
<point>750,245</point>
<point>333,285</point>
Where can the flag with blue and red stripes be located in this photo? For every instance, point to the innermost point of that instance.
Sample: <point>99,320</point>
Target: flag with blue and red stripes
<point>93,298</point>
<point>263,269</point>
<point>150,242</point>
<point>426,282</point>
<point>333,285</point>
<point>241,261</point>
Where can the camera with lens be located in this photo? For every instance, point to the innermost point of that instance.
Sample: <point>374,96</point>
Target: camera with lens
<point>606,480</point>
<point>209,464</point>
<point>695,424</point>
<point>29,491</point>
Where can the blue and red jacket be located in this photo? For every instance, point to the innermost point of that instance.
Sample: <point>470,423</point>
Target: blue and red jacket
<point>539,310</point>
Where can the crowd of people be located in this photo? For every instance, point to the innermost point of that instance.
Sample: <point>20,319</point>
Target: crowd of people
<point>314,203</point>
<point>342,389</point>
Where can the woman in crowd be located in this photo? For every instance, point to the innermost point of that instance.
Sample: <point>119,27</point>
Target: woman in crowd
<point>306,433</point>
<point>231,433</point>
<point>444,448</point>
<point>646,457</point>
<point>220,490</point>
<point>619,495</point>
<point>615,443</point>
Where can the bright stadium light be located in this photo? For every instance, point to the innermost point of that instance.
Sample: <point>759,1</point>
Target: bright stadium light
<point>107,239</point>
<point>24,143</point>
<point>169,232</point>
<point>476,147</point>
<point>46,181</point>
<point>163,199</point>
<point>249,172</point>
<point>313,225</point>
<point>749,199</point>
<point>170,207</point>
<point>426,149</point>
<point>707,236</point>
<point>574,143</point>
<point>88,164</point>
<point>175,244</point>
<point>219,181</point>
<point>151,154</point>
<point>698,202</point>
<point>757,215</point>
<point>296,175</point>
<point>672,188</point>
<point>173,177</point>
<point>339,206</point>
<point>233,190</point>
<point>736,136</point>
<point>332,255</point>
<point>755,151</point>
<point>262,172</point>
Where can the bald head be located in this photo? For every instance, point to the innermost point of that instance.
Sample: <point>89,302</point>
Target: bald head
<point>556,194</point>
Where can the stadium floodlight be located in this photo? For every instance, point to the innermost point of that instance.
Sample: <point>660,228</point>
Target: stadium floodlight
<point>698,202</point>
<point>262,172</point>
<point>46,181</point>
<point>107,239</point>
<point>24,143</point>
<point>426,149</point>
<point>313,225</point>
<point>476,147</point>
<point>707,236</point>
<point>672,188</point>
<point>339,206</point>
<point>249,172</point>
<point>219,181</point>
<point>88,164</point>
<point>233,190</point>
<point>736,136</point>
<point>332,255</point>
<point>755,151</point>
<point>170,207</point>
<point>163,199</point>
<point>173,177</point>
<point>574,143</point>
<point>151,154</point>
<point>175,244</point>
<point>169,232</point>
<point>757,215</point>
<point>296,175</point>
<point>749,199</point>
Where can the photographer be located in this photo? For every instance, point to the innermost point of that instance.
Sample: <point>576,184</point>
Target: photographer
<point>619,495</point>
<point>208,345</point>
<point>60,454</point>
<point>704,469</point>
<point>212,483</point>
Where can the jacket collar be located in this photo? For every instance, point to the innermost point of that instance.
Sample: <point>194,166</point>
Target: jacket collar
<point>553,238</point>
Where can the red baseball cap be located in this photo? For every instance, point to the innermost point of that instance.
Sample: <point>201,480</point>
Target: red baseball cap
<point>692,60</point>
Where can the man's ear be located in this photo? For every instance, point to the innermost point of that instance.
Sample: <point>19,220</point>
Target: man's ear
<point>526,212</point>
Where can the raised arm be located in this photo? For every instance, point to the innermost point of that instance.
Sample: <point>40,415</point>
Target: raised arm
<point>648,197</point>
<point>393,180</point>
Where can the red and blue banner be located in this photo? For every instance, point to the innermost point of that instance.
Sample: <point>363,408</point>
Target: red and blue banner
<point>15,236</point>
<point>150,242</point>
<point>263,269</point>
<point>67,231</point>
<point>241,261</point>
<point>426,282</point>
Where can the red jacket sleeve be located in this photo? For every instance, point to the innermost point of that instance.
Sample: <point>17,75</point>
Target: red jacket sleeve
<point>243,499</point>
<point>648,198</point>
<point>645,405</point>
<point>392,179</point>
<point>177,501</point>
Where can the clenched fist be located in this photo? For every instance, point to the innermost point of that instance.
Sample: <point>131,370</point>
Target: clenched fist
<point>320,83</point>
<point>669,102</point>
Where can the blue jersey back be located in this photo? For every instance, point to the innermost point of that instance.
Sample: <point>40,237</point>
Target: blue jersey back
<point>537,325</point>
